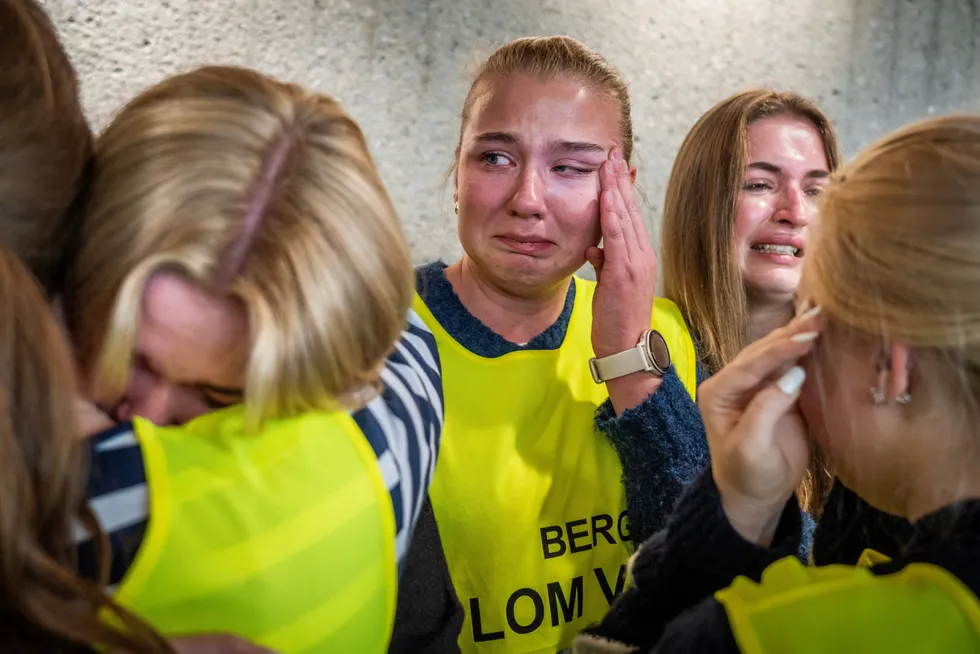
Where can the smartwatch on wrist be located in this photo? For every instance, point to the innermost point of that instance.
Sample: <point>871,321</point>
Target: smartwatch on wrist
<point>651,355</point>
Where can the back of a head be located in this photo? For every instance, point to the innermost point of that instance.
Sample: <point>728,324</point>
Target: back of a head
<point>45,142</point>
<point>897,254</point>
<point>699,266</point>
<point>259,189</point>
<point>42,483</point>
<point>550,57</point>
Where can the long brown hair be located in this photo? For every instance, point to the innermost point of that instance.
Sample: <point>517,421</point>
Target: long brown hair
<point>42,481</point>
<point>700,271</point>
<point>45,141</point>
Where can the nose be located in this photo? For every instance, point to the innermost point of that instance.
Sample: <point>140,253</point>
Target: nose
<point>154,404</point>
<point>792,208</point>
<point>528,198</point>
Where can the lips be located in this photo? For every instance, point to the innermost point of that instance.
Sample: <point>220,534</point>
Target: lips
<point>524,244</point>
<point>780,244</point>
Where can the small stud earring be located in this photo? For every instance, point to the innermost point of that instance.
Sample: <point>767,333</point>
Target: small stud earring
<point>904,398</point>
<point>877,396</point>
<point>456,208</point>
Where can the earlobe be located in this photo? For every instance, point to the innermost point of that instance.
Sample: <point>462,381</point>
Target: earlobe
<point>633,174</point>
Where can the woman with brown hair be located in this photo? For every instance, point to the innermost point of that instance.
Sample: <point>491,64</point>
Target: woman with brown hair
<point>739,204</point>
<point>45,146</point>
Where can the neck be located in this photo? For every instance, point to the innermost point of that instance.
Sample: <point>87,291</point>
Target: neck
<point>947,472</point>
<point>514,316</point>
<point>765,315</point>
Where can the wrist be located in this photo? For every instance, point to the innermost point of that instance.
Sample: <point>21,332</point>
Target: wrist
<point>632,390</point>
<point>754,521</point>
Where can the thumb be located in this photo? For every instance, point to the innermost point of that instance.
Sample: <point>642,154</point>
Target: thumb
<point>772,403</point>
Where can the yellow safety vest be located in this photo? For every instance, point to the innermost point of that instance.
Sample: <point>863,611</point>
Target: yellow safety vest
<point>286,537</point>
<point>528,497</point>
<point>842,609</point>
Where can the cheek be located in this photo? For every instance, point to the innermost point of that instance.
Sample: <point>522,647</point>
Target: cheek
<point>749,214</point>
<point>482,192</point>
<point>187,405</point>
<point>576,211</point>
<point>141,385</point>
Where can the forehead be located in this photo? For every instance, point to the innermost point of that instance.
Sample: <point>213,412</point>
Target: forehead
<point>788,139</point>
<point>537,109</point>
<point>191,335</point>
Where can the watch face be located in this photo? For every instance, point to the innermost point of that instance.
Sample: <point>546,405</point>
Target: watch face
<point>658,350</point>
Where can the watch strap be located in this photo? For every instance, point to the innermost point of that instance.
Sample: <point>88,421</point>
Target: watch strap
<point>621,364</point>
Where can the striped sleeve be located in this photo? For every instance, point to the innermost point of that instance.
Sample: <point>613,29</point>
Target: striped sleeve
<point>404,426</point>
<point>117,494</point>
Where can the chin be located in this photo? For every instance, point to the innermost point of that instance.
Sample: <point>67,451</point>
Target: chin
<point>532,272</point>
<point>781,285</point>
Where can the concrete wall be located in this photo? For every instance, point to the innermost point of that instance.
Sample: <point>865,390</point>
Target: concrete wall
<point>399,66</point>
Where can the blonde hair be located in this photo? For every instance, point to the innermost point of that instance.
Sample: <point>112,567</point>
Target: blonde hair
<point>550,57</point>
<point>897,254</point>
<point>261,190</point>
<point>699,265</point>
<point>42,480</point>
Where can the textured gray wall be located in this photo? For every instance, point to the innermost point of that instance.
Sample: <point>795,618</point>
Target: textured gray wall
<point>401,66</point>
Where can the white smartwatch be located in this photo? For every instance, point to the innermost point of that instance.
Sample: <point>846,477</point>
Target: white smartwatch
<point>651,355</point>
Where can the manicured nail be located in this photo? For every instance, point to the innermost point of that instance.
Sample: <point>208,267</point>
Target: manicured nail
<point>804,306</point>
<point>791,382</point>
<point>804,337</point>
<point>810,313</point>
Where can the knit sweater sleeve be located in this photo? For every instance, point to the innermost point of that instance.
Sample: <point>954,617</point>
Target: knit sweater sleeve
<point>662,447</point>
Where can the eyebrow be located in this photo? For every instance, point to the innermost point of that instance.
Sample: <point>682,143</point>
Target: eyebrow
<point>816,173</point>
<point>496,137</point>
<point>567,146</point>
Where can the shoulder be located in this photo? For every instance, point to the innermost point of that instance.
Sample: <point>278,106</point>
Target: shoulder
<point>431,283</point>
<point>666,312</point>
<point>403,424</point>
<point>117,493</point>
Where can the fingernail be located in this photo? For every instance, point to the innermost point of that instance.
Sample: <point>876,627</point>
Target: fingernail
<point>617,154</point>
<point>621,166</point>
<point>791,382</point>
<point>804,306</point>
<point>804,337</point>
<point>810,313</point>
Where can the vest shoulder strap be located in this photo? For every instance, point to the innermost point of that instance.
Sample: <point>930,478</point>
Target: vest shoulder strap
<point>801,609</point>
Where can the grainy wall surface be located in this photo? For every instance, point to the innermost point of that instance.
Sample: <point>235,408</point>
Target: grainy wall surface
<point>400,66</point>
